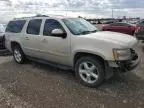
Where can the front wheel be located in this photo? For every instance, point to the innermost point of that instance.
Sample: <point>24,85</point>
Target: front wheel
<point>18,55</point>
<point>89,71</point>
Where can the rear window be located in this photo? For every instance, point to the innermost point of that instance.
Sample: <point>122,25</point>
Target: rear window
<point>15,26</point>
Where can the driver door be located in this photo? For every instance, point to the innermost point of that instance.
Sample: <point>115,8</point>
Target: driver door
<point>55,48</point>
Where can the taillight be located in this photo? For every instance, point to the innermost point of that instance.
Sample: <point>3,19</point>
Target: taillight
<point>137,29</point>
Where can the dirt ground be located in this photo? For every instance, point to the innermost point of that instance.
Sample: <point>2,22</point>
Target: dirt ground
<point>34,85</point>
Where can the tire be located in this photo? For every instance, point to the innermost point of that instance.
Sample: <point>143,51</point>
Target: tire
<point>89,71</point>
<point>18,55</point>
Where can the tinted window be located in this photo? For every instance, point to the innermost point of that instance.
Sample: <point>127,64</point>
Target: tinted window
<point>51,24</point>
<point>114,24</point>
<point>120,24</point>
<point>141,23</point>
<point>34,26</point>
<point>124,24</point>
<point>15,26</point>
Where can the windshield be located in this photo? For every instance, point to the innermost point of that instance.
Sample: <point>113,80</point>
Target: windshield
<point>79,26</point>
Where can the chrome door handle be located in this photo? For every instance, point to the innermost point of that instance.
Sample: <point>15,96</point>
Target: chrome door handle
<point>26,38</point>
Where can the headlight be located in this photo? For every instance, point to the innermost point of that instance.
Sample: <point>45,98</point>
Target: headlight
<point>122,54</point>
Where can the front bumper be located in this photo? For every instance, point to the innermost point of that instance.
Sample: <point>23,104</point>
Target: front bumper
<point>126,65</point>
<point>121,66</point>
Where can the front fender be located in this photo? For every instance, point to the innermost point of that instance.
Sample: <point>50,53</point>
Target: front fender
<point>89,52</point>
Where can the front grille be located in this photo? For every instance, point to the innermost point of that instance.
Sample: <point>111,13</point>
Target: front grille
<point>134,54</point>
<point>132,51</point>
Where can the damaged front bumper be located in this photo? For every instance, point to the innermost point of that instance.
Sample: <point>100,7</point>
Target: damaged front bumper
<point>127,65</point>
<point>122,66</point>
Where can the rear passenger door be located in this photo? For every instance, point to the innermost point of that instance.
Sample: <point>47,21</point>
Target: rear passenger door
<point>31,39</point>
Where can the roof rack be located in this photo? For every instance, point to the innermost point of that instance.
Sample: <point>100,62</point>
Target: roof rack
<point>39,15</point>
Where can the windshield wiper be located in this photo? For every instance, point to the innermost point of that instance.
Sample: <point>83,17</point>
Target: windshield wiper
<point>93,31</point>
<point>87,32</point>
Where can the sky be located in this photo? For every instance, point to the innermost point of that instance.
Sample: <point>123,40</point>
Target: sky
<point>86,8</point>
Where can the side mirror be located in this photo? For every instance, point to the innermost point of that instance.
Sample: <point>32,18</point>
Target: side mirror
<point>58,33</point>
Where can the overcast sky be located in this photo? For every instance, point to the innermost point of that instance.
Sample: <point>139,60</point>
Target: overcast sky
<point>86,8</point>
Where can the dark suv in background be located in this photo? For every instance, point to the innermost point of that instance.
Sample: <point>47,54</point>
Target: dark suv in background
<point>1,36</point>
<point>140,31</point>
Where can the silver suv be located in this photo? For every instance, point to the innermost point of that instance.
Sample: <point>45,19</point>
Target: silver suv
<point>71,43</point>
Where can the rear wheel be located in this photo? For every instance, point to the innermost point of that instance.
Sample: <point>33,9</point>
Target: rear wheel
<point>89,71</point>
<point>18,55</point>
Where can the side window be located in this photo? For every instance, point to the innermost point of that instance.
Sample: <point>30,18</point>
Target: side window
<point>124,24</point>
<point>15,26</point>
<point>114,24</point>
<point>51,24</point>
<point>142,23</point>
<point>34,26</point>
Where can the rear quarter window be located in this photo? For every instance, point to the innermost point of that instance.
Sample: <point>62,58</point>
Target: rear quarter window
<point>15,26</point>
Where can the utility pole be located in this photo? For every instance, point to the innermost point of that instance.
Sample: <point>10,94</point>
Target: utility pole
<point>112,12</point>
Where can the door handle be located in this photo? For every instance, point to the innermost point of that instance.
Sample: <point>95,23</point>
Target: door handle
<point>26,38</point>
<point>44,40</point>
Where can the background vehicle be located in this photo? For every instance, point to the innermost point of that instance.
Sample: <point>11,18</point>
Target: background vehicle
<point>140,31</point>
<point>71,43</point>
<point>121,28</point>
<point>1,36</point>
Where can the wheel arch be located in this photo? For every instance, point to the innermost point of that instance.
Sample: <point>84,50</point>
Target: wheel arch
<point>81,54</point>
<point>14,43</point>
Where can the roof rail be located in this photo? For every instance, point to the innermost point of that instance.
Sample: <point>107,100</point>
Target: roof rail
<point>55,15</point>
<point>39,15</point>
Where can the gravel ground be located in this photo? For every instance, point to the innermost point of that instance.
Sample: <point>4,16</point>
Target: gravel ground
<point>33,85</point>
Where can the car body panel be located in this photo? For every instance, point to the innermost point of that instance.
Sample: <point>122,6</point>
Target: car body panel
<point>102,43</point>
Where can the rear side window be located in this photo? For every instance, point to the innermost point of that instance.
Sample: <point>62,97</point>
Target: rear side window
<point>15,26</point>
<point>34,26</point>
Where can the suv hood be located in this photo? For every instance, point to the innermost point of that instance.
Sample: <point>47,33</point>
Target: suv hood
<point>113,37</point>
